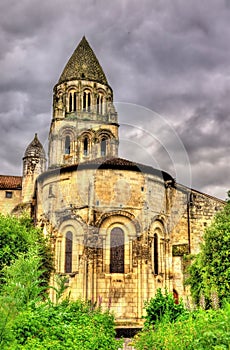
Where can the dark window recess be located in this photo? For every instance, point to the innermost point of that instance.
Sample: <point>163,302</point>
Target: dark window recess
<point>9,194</point>
<point>75,101</point>
<point>89,102</point>
<point>99,104</point>
<point>175,296</point>
<point>70,102</point>
<point>68,252</point>
<point>103,147</point>
<point>117,250</point>
<point>85,146</point>
<point>67,145</point>
<point>155,257</point>
<point>86,101</point>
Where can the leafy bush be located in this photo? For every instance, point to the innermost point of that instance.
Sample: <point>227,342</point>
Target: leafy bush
<point>202,330</point>
<point>163,306</point>
<point>75,325</point>
<point>29,320</point>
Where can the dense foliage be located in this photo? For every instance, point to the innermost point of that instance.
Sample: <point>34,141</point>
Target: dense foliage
<point>210,271</point>
<point>21,288</point>
<point>202,330</point>
<point>18,235</point>
<point>29,320</point>
<point>163,307</point>
<point>210,286</point>
<point>75,325</point>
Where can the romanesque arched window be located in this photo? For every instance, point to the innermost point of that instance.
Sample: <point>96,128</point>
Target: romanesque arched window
<point>100,104</point>
<point>87,101</point>
<point>75,101</point>
<point>67,145</point>
<point>103,147</point>
<point>117,250</point>
<point>72,101</point>
<point>155,254</point>
<point>86,146</point>
<point>68,252</point>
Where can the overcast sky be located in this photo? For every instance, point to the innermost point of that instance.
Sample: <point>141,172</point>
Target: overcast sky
<point>168,63</point>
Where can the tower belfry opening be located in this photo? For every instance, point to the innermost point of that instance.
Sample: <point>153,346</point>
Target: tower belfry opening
<point>83,102</point>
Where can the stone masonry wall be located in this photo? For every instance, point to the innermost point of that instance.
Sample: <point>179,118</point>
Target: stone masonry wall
<point>8,204</point>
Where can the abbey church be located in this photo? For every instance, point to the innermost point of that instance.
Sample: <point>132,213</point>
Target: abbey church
<point>119,229</point>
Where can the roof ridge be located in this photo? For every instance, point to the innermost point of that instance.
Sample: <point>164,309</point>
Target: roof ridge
<point>2,175</point>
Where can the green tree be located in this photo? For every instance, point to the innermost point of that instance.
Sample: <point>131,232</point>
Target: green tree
<point>21,289</point>
<point>210,271</point>
<point>18,235</point>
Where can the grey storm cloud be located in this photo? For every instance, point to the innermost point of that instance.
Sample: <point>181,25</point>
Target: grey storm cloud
<point>171,57</point>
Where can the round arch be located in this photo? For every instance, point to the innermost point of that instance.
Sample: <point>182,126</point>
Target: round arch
<point>85,142</point>
<point>69,246</point>
<point>123,227</point>
<point>157,234</point>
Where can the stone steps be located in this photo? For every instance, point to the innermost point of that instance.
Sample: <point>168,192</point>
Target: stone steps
<point>126,345</point>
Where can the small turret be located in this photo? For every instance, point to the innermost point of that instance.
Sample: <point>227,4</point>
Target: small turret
<point>34,163</point>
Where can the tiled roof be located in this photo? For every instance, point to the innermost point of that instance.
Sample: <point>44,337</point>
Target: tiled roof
<point>8,182</point>
<point>83,65</point>
<point>109,163</point>
<point>35,149</point>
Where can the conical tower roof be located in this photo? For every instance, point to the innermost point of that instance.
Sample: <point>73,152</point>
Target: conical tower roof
<point>35,149</point>
<point>83,64</point>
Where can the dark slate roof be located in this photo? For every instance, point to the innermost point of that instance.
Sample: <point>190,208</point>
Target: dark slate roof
<point>8,182</point>
<point>110,163</point>
<point>35,149</point>
<point>83,65</point>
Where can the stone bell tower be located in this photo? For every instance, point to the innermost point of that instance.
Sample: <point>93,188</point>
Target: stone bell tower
<point>84,124</point>
<point>34,164</point>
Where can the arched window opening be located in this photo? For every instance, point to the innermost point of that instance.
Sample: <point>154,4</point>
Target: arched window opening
<point>117,250</point>
<point>86,146</point>
<point>68,252</point>
<point>103,147</point>
<point>155,254</point>
<point>72,101</point>
<point>75,101</point>
<point>86,101</point>
<point>89,102</point>
<point>100,104</point>
<point>67,145</point>
<point>175,296</point>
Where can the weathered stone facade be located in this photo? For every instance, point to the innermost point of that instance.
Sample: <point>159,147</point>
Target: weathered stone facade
<point>120,230</point>
<point>161,221</point>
